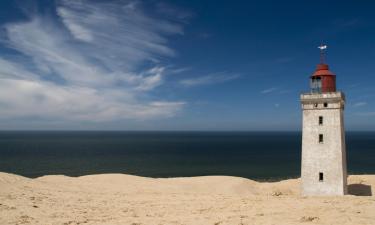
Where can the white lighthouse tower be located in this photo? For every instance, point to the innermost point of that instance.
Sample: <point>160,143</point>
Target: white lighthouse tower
<point>323,169</point>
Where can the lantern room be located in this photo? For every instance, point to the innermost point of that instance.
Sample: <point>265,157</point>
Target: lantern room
<point>323,80</point>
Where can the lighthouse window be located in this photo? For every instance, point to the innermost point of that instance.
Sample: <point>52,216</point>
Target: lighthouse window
<point>320,120</point>
<point>321,177</point>
<point>325,104</point>
<point>320,138</point>
<point>315,105</point>
<point>316,85</point>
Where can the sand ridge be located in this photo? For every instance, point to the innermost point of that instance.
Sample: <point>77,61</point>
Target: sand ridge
<point>127,199</point>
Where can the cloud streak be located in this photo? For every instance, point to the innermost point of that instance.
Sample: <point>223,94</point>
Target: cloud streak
<point>209,79</point>
<point>87,64</point>
<point>268,90</point>
<point>359,104</point>
<point>275,90</point>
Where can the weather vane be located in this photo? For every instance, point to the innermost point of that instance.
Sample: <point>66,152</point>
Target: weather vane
<point>322,48</point>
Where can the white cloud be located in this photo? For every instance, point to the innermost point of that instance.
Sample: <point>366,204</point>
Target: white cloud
<point>78,31</point>
<point>209,79</point>
<point>88,67</point>
<point>152,78</point>
<point>44,99</point>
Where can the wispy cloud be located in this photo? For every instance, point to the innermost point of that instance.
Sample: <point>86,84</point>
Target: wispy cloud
<point>178,70</point>
<point>359,104</point>
<point>275,90</point>
<point>209,79</point>
<point>88,66</point>
<point>343,23</point>
<point>174,12</point>
<point>268,90</point>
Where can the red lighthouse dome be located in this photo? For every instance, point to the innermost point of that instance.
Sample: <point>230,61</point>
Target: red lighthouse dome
<point>323,80</point>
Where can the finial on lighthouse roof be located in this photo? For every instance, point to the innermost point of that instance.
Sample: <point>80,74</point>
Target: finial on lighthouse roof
<point>322,48</point>
<point>322,68</point>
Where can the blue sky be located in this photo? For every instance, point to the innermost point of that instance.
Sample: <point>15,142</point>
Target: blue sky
<point>179,65</point>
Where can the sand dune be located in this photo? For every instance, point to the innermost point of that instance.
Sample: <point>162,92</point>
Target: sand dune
<point>125,199</point>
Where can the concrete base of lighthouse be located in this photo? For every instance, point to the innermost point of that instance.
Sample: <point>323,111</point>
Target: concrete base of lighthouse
<point>323,170</point>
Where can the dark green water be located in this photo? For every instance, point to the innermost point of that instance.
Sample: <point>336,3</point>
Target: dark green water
<point>255,155</point>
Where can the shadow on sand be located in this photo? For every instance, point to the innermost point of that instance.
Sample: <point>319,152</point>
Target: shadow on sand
<point>360,189</point>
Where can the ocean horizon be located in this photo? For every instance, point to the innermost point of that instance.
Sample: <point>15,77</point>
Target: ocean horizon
<point>254,155</point>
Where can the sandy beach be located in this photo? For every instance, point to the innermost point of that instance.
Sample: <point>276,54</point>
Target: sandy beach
<point>126,199</point>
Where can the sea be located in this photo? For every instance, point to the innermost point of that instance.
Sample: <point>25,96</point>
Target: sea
<point>264,156</point>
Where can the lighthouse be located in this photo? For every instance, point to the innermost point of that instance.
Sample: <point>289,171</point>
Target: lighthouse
<point>323,169</point>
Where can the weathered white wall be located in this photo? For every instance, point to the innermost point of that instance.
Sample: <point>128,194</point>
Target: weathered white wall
<point>328,157</point>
